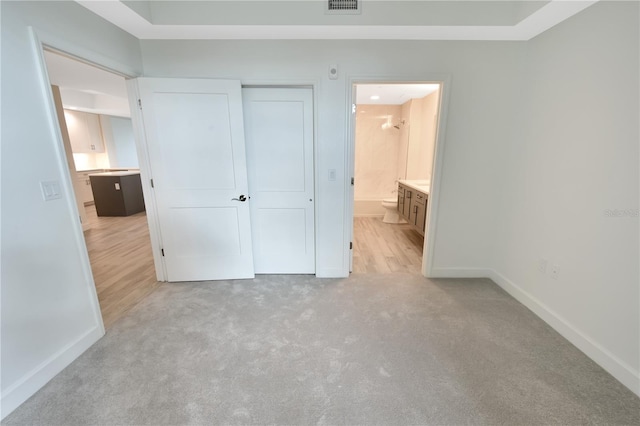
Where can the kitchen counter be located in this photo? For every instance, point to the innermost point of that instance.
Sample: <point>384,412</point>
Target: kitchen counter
<point>419,185</point>
<point>120,173</point>
<point>115,169</point>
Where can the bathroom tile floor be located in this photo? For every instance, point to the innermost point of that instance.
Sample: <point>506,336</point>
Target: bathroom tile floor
<point>382,247</point>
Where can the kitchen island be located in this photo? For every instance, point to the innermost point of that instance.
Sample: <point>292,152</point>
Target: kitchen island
<point>117,193</point>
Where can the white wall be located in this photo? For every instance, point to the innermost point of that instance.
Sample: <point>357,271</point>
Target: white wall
<point>376,151</point>
<point>49,312</point>
<point>515,186</point>
<point>403,149</point>
<point>119,141</point>
<point>575,158</point>
<point>422,136</point>
<point>479,119</point>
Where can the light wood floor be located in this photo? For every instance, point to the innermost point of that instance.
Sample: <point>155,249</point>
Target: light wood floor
<point>383,247</point>
<point>123,270</point>
<point>121,261</point>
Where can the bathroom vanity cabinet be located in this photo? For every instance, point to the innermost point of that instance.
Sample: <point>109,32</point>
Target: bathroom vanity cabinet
<point>412,205</point>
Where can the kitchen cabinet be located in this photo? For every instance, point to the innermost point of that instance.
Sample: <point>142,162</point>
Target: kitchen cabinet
<point>85,132</point>
<point>412,205</point>
<point>84,186</point>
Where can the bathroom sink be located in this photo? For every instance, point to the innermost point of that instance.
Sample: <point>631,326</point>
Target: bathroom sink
<point>418,185</point>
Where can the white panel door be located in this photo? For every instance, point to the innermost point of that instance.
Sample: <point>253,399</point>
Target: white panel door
<point>279,141</point>
<point>195,139</point>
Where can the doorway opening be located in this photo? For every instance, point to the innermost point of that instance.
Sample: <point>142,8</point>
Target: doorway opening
<point>395,135</point>
<point>95,123</point>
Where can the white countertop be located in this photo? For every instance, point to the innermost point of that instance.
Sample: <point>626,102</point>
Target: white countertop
<point>121,169</point>
<point>419,185</point>
<point>123,173</point>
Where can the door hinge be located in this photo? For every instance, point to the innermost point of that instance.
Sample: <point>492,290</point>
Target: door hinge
<point>80,219</point>
<point>162,251</point>
<point>152,183</point>
<point>140,103</point>
<point>353,108</point>
<point>352,181</point>
<point>350,245</point>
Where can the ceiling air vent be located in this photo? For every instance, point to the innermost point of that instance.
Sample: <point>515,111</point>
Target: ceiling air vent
<point>343,7</point>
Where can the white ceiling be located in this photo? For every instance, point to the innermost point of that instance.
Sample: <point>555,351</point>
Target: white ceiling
<point>91,89</point>
<point>306,19</point>
<point>392,94</point>
<point>87,88</point>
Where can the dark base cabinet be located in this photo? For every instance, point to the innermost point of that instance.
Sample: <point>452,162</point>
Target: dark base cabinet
<point>412,205</point>
<point>117,193</point>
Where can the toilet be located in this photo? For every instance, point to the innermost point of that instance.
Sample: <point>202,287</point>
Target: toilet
<point>391,211</point>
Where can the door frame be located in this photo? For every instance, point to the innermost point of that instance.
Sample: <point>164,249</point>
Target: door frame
<point>146,172</point>
<point>41,41</point>
<point>316,86</point>
<point>146,176</point>
<point>428,250</point>
<point>314,96</point>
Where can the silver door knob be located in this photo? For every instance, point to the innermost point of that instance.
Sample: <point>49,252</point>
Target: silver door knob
<point>240,198</point>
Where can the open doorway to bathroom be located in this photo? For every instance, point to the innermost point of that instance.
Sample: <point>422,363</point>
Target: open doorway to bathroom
<point>396,128</point>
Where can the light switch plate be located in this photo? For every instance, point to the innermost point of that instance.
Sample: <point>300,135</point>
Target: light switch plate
<point>50,190</point>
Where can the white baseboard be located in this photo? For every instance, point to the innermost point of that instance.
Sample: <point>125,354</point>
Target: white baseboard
<point>459,273</point>
<point>22,390</point>
<point>623,372</point>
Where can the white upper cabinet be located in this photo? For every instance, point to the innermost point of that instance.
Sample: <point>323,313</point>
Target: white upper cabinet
<point>85,132</point>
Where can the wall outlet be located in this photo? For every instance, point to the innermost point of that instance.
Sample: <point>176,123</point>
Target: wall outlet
<point>555,271</point>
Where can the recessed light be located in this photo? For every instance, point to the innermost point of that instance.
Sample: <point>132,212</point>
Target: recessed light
<point>375,97</point>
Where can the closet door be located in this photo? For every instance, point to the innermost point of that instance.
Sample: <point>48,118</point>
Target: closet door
<point>195,142</point>
<point>279,141</point>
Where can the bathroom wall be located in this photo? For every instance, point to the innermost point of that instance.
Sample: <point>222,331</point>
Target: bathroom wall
<point>422,119</point>
<point>385,154</point>
<point>403,146</point>
<point>376,168</point>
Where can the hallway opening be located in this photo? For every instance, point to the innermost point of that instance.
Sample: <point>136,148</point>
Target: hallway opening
<point>94,119</point>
